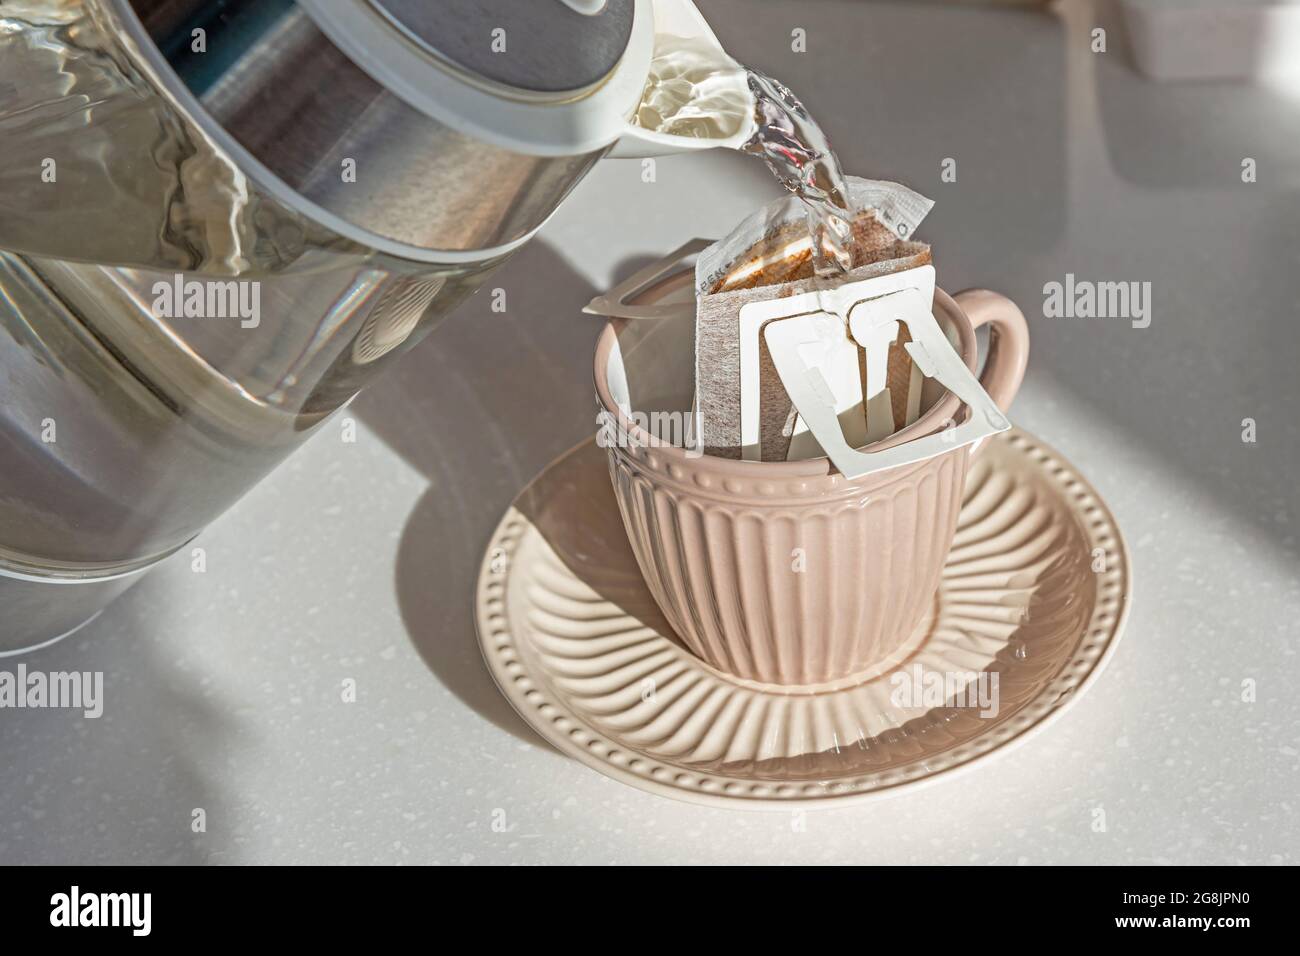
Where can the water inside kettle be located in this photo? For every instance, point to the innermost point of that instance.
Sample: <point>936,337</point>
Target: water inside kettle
<point>127,420</point>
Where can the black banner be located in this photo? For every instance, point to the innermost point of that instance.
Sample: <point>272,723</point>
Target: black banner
<point>216,904</point>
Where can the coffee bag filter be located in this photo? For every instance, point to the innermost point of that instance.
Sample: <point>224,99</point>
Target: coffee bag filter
<point>768,256</point>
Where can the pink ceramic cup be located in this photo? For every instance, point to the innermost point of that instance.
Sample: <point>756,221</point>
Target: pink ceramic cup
<point>787,572</point>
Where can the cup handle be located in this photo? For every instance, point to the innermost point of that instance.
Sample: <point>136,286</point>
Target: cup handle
<point>1004,369</point>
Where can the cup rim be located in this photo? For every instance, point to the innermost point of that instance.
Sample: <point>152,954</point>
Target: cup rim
<point>821,467</point>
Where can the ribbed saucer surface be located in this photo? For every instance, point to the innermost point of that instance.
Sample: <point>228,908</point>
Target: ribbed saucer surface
<point>1033,598</point>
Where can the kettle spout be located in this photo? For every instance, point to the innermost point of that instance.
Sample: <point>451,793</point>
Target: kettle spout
<point>696,96</point>
<point>682,18</point>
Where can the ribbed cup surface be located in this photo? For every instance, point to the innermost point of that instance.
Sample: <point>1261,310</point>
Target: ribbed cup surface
<point>795,581</point>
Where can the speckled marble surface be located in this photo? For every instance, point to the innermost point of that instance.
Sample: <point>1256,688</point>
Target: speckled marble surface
<point>357,561</point>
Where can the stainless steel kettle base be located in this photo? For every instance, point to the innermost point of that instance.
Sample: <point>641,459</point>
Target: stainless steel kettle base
<point>36,609</point>
<point>53,640</point>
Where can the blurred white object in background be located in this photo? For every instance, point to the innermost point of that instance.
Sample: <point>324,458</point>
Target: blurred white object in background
<point>1214,39</point>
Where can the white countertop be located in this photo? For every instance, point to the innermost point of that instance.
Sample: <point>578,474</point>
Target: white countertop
<point>224,689</point>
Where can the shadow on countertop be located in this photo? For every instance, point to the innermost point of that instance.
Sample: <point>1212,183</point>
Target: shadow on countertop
<point>461,409</point>
<point>120,788</point>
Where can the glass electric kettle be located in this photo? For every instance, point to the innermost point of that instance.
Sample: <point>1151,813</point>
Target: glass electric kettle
<point>219,220</point>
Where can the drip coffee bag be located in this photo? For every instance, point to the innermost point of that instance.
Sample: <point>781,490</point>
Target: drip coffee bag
<point>769,256</point>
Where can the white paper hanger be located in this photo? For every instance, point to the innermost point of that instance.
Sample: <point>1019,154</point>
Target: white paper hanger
<point>801,332</point>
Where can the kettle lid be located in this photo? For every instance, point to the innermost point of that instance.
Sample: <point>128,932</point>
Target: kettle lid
<point>538,46</point>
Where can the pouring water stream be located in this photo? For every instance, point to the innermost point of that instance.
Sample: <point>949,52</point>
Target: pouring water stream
<point>696,90</point>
